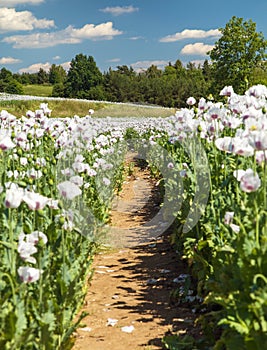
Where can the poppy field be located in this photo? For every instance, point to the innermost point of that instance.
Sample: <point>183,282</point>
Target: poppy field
<point>58,179</point>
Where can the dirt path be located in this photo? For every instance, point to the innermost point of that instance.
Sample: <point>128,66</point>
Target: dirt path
<point>132,286</point>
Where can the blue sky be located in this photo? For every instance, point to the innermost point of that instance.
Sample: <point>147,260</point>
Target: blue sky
<point>137,33</point>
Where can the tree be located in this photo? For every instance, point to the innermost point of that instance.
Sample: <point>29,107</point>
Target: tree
<point>23,78</point>
<point>194,83</point>
<point>56,74</point>
<point>14,87</point>
<point>8,83</point>
<point>206,70</point>
<point>153,72</point>
<point>5,75</point>
<point>170,70</point>
<point>180,69</point>
<point>42,76</point>
<point>83,75</point>
<point>259,75</point>
<point>121,85</point>
<point>235,55</point>
<point>58,90</point>
<point>128,71</point>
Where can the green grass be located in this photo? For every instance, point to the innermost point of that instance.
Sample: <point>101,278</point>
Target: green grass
<point>69,108</point>
<point>38,90</point>
<point>60,109</point>
<point>127,110</point>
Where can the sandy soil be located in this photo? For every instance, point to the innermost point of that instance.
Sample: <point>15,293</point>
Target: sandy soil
<point>132,286</point>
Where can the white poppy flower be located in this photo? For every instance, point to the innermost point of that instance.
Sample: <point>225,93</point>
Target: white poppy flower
<point>250,181</point>
<point>14,196</point>
<point>69,190</point>
<point>25,250</point>
<point>35,201</point>
<point>6,142</point>
<point>29,274</point>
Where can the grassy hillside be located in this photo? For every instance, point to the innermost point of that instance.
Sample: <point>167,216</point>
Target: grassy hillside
<point>38,90</point>
<point>69,108</point>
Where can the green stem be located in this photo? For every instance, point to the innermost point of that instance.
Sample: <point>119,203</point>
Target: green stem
<point>259,275</point>
<point>237,184</point>
<point>264,181</point>
<point>264,185</point>
<point>11,239</point>
<point>257,229</point>
<point>241,225</point>
<point>12,286</point>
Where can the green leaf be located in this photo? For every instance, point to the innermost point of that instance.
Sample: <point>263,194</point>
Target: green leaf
<point>21,323</point>
<point>177,342</point>
<point>240,328</point>
<point>49,319</point>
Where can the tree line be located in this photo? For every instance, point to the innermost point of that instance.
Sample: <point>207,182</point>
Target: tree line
<point>238,59</point>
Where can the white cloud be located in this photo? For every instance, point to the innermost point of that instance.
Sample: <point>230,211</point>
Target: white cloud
<point>41,40</point>
<point>35,68</point>
<point>196,49</point>
<point>136,38</point>
<point>143,65</point>
<point>11,20</point>
<point>12,3</point>
<point>119,10</point>
<point>69,35</point>
<point>114,60</point>
<point>103,31</point>
<point>9,60</point>
<point>65,65</point>
<point>46,66</point>
<point>191,34</point>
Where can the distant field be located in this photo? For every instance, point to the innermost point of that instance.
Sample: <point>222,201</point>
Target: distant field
<point>130,110</point>
<point>61,108</point>
<point>38,90</point>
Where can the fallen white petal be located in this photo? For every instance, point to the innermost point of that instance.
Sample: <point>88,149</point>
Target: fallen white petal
<point>127,329</point>
<point>86,329</point>
<point>112,322</point>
